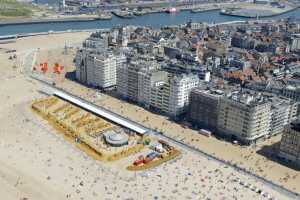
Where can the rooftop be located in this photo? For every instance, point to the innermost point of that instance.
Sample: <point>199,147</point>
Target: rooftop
<point>116,138</point>
<point>209,91</point>
<point>248,97</point>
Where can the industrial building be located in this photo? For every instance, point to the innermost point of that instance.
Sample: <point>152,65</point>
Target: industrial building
<point>289,149</point>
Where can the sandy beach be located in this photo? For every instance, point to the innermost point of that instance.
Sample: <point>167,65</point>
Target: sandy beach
<point>36,162</point>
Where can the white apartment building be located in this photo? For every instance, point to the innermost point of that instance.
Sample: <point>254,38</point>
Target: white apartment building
<point>295,43</point>
<point>104,71</point>
<point>142,82</point>
<point>160,96</point>
<point>283,112</point>
<point>97,40</point>
<point>148,75</point>
<point>244,117</point>
<point>180,89</point>
<point>172,96</point>
<point>122,76</point>
<point>134,80</point>
<point>97,69</point>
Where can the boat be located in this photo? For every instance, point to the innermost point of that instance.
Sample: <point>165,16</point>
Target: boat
<point>123,14</point>
<point>198,10</point>
<point>172,10</point>
<point>105,16</point>
<point>139,12</point>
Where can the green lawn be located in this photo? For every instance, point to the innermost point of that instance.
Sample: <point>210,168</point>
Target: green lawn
<point>11,8</point>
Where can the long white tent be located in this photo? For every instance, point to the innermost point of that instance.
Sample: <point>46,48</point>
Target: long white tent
<point>101,112</point>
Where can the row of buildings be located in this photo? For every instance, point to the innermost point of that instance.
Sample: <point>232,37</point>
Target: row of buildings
<point>246,116</point>
<point>140,81</point>
<point>156,89</point>
<point>219,78</point>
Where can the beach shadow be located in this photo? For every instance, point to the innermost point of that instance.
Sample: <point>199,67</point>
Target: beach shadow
<point>71,75</point>
<point>271,152</point>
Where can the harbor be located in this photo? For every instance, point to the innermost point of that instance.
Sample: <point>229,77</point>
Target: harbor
<point>263,12</point>
<point>155,20</point>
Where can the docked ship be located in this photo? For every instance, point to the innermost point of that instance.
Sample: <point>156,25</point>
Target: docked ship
<point>105,16</point>
<point>123,14</point>
<point>173,10</point>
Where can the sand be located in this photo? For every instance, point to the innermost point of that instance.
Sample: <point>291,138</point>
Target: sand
<point>37,163</point>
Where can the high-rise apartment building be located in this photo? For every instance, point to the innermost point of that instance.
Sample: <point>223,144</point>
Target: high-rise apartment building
<point>96,69</point>
<point>94,65</point>
<point>204,107</point>
<point>244,117</point>
<point>134,80</point>
<point>172,96</point>
<point>292,92</point>
<point>122,76</point>
<point>143,82</point>
<point>295,42</point>
<point>283,112</point>
<point>181,86</point>
<point>160,96</point>
<point>289,149</point>
<point>147,79</point>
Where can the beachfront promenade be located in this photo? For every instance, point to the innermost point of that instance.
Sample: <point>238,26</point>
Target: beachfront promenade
<point>140,128</point>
